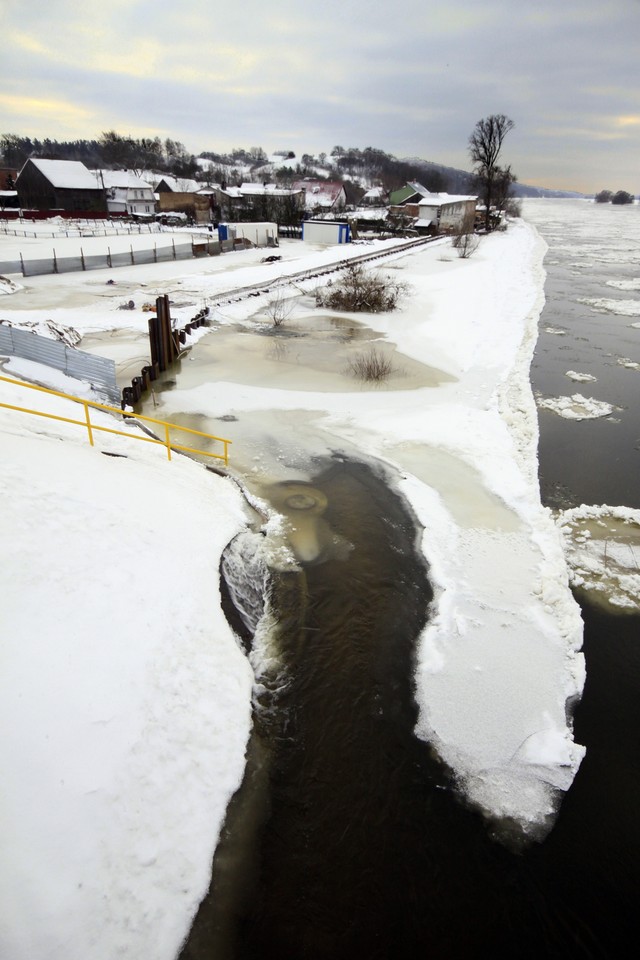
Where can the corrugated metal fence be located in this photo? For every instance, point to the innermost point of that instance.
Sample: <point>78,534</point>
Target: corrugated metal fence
<point>156,254</point>
<point>76,363</point>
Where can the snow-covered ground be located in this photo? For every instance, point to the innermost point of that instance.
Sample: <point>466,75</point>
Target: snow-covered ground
<point>126,698</point>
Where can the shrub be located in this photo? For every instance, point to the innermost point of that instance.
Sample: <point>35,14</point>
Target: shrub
<point>465,244</point>
<point>359,291</point>
<point>371,366</point>
<point>279,309</point>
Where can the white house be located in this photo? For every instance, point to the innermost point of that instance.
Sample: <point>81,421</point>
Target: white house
<point>446,211</point>
<point>126,192</point>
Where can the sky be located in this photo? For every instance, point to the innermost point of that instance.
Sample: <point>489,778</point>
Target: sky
<point>411,78</point>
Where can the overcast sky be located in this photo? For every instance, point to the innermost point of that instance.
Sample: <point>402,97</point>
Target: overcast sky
<point>411,77</point>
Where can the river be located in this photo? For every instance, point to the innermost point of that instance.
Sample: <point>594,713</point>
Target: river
<point>346,840</point>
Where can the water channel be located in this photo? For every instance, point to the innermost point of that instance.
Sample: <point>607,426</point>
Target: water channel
<point>346,839</point>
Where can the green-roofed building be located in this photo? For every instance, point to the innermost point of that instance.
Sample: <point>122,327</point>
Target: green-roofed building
<point>410,193</point>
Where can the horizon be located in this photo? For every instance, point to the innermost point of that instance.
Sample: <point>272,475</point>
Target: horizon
<point>416,82</point>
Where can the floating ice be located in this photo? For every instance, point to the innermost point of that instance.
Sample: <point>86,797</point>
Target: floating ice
<point>576,407</point>
<point>580,377</point>
<point>628,363</point>
<point>602,547</point>
<point>624,308</point>
<point>625,284</point>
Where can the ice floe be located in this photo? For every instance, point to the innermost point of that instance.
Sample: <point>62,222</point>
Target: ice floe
<point>580,377</point>
<point>576,407</point>
<point>602,547</point>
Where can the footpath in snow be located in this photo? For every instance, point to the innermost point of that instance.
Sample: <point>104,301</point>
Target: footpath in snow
<point>126,698</point>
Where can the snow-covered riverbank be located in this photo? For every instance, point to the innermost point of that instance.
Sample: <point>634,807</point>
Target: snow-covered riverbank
<point>126,698</point>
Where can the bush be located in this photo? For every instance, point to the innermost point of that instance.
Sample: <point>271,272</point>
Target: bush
<point>371,366</point>
<point>279,310</point>
<point>359,291</point>
<point>465,244</point>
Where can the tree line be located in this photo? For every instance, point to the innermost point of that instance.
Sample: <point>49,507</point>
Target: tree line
<point>115,150</point>
<point>491,180</point>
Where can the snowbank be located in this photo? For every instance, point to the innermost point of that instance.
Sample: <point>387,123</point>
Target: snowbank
<point>499,658</point>
<point>124,698</point>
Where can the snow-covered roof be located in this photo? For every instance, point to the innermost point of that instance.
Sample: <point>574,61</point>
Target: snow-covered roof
<point>179,184</point>
<point>121,178</point>
<point>266,189</point>
<point>66,174</point>
<point>320,193</point>
<point>440,199</point>
<point>375,193</point>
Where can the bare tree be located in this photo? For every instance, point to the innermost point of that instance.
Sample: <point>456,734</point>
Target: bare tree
<point>485,144</point>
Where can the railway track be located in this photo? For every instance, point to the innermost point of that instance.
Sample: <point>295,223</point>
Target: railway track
<point>259,289</point>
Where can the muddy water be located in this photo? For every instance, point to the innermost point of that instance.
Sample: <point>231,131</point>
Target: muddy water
<point>309,352</point>
<point>346,840</point>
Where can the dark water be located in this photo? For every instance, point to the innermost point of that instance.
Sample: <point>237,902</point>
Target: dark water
<point>591,860</point>
<point>594,256</point>
<point>347,839</point>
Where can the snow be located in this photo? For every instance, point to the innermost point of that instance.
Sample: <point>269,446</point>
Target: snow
<point>122,609</point>
<point>125,699</point>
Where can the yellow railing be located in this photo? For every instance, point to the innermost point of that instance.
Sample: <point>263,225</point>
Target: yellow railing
<point>91,427</point>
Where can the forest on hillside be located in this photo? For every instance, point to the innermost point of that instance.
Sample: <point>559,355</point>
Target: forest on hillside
<point>112,150</point>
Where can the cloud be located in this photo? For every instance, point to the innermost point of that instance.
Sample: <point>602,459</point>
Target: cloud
<point>412,81</point>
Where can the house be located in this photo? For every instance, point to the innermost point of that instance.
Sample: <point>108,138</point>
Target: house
<point>127,193</point>
<point>322,196</point>
<point>60,185</point>
<point>446,211</point>
<point>260,202</point>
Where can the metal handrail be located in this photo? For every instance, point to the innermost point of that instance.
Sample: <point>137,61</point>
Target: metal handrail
<point>91,427</point>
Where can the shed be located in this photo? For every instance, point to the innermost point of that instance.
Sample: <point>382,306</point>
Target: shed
<point>260,234</point>
<point>326,231</point>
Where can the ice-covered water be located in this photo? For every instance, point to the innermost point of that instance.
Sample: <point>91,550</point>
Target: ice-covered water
<point>589,326</point>
<point>589,472</point>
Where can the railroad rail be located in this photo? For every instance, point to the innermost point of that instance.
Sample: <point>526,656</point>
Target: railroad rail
<point>258,289</point>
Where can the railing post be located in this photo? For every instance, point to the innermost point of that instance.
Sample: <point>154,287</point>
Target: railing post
<point>167,442</point>
<point>88,419</point>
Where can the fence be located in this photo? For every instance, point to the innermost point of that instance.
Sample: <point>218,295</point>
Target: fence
<point>90,427</point>
<point>99,371</point>
<point>130,257</point>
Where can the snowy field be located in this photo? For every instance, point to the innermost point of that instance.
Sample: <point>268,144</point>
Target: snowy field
<point>126,698</point>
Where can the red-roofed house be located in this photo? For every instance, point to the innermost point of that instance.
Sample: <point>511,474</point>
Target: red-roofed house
<point>322,195</point>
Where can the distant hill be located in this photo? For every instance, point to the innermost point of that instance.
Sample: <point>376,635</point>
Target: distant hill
<point>461,181</point>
